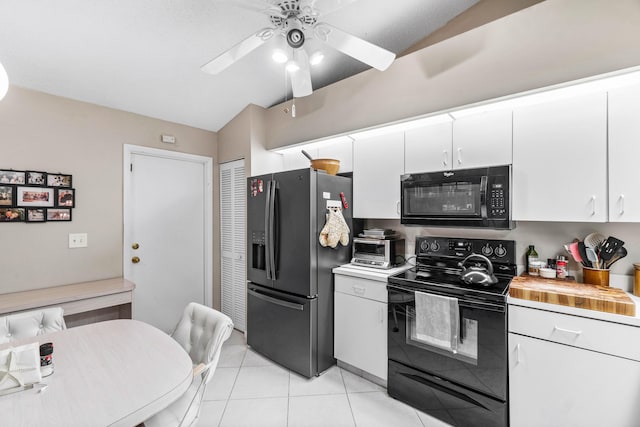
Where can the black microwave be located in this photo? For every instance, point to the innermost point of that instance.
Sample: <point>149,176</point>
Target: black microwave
<point>477,198</point>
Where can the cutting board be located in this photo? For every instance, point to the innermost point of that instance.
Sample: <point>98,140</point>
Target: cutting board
<point>572,294</point>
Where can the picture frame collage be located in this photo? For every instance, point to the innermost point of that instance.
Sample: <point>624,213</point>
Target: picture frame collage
<point>34,196</point>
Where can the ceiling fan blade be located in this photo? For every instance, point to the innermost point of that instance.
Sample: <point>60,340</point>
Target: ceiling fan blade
<point>301,79</point>
<point>356,47</point>
<point>247,45</point>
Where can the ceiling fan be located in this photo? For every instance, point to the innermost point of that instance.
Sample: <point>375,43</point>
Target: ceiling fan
<point>297,20</point>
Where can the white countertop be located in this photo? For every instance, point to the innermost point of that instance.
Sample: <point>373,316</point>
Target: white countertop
<point>582,312</point>
<point>377,274</point>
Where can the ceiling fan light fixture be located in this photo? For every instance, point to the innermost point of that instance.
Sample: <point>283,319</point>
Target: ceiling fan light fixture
<point>292,66</point>
<point>316,58</point>
<point>279,56</point>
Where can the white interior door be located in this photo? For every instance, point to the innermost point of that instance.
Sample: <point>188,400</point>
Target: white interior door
<point>168,218</point>
<point>233,242</point>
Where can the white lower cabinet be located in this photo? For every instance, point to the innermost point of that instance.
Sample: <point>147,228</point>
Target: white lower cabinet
<point>360,336</point>
<point>554,380</point>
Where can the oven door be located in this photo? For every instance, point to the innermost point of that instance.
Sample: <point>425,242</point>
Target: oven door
<point>480,363</point>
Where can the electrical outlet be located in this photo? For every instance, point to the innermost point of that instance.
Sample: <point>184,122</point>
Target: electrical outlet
<point>77,240</point>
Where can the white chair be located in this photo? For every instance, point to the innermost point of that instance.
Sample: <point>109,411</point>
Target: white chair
<point>31,324</point>
<point>201,332</point>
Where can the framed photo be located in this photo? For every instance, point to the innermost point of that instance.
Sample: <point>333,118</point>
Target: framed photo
<point>66,197</point>
<point>12,177</point>
<point>58,180</point>
<point>36,178</point>
<point>36,215</point>
<point>33,196</point>
<point>11,214</point>
<point>62,214</point>
<point>7,195</point>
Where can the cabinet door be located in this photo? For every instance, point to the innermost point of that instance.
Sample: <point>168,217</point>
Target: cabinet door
<point>378,163</point>
<point>552,384</point>
<point>624,152</point>
<point>560,160</point>
<point>483,139</point>
<point>342,151</point>
<point>360,337</point>
<point>428,148</point>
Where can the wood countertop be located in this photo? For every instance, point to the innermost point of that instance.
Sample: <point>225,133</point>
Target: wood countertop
<point>570,293</point>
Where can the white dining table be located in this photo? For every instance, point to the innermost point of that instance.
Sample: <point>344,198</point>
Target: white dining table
<point>112,373</point>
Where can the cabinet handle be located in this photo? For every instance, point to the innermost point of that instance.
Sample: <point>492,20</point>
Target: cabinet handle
<point>569,331</point>
<point>593,205</point>
<point>444,157</point>
<point>621,204</point>
<point>398,207</point>
<point>381,315</point>
<point>459,156</point>
<point>518,361</point>
<point>359,290</point>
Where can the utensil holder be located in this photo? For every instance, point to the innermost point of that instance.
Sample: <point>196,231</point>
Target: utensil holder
<point>594,276</point>
<point>636,283</point>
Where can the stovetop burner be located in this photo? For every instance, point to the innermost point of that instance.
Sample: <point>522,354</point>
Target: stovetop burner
<point>438,271</point>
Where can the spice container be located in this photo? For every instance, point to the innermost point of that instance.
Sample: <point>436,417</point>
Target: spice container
<point>561,267</point>
<point>535,266</point>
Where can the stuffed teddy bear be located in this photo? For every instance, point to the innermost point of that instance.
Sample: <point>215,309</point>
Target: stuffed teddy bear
<point>335,230</point>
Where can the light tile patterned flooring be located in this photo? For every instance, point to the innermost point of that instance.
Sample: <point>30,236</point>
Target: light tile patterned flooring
<point>250,390</point>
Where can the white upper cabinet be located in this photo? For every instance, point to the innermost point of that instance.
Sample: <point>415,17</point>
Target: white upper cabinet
<point>482,139</point>
<point>560,160</point>
<point>342,151</point>
<point>428,148</point>
<point>477,140</point>
<point>378,163</point>
<point>624,152</point>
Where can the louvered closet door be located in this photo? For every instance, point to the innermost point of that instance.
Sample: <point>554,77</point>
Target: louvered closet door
<point>232,237</point>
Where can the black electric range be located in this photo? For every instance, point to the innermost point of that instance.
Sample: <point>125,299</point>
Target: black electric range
<point>466,385</point>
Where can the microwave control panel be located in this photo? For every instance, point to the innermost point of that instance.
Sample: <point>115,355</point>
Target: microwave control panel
<point>497,204</point>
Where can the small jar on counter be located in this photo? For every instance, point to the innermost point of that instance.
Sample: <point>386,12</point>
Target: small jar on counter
<point>535,266</point>
<point>562,270</point>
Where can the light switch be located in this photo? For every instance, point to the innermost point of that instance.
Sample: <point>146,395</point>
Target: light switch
<point>77,240</point>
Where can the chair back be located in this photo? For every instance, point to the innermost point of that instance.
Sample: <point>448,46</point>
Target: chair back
<point>201,332</point>
<point>28,324</point>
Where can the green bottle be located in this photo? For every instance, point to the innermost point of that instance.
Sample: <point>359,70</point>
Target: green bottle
<point>532,256</point>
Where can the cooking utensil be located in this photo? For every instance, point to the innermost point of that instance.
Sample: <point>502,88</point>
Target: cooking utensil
<point>609,247</point>
<point>575,253</point>
<point>620,253</point>
<point>331,166</point>
<point>583,254</point>
<point>475,274</point>
<point>592,257</point>
<point>594,241</point>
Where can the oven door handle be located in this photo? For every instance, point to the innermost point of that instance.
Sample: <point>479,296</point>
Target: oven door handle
<point>444,389</point>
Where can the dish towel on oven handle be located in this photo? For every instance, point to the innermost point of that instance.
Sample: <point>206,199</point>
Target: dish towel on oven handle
<point>437,321</point>
<point>20,366</point>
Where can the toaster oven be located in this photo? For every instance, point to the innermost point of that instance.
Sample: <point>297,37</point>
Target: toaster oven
<point>377,253</point>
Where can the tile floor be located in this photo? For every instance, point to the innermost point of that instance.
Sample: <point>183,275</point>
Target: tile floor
<point>250,390</point>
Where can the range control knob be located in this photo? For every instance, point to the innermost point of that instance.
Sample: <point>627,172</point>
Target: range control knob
<point>424,246</point>
<point>500,251</point>
<point>487,250</point>
<point>435,246</point>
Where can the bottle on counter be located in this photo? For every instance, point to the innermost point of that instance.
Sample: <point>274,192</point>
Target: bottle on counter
<point>562,270</point>
<point>531,257</point>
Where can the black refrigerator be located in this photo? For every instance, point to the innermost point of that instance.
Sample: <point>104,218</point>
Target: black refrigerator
<point>290,283</point>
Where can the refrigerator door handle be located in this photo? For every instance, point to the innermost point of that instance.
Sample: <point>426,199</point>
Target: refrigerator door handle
<point>271,230</point>
<point>276,301</point>
<point>267,237</point>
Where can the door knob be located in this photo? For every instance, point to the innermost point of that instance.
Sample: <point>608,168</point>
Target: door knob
<point>135,246</point>
<point>135,260</point>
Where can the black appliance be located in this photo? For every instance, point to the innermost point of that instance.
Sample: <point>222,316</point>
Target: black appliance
<point>458,198</point>
<point>466,387</point>
<point>290,289</point>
